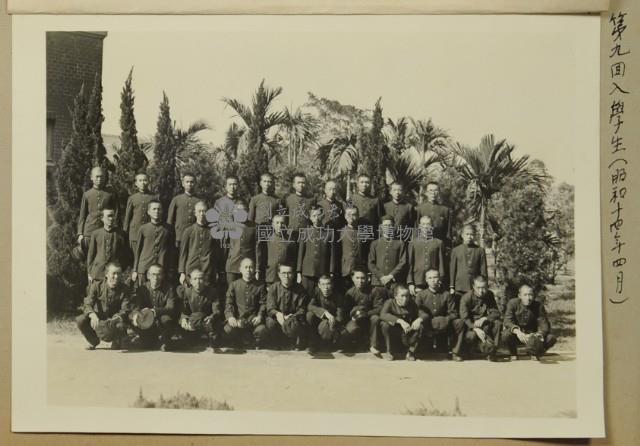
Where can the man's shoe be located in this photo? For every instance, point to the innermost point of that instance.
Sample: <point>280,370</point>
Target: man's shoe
<point>513,357</point>
<point>410,356</point>
<point>90,347</point>
<point>491,358</point>
<point>164,348</point>
<point>387,356</point>
<point>456,358</point>
<point>116,344</point>
<point>535,358</point>
<point>374,351</point>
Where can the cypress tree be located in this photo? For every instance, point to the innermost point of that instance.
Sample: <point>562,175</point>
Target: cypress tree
<point>164,155</point>
<point>95,118</point>
<point>375,152</point>
<point>129,159</point>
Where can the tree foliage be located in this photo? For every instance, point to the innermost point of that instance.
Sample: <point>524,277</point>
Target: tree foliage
<point>95,118</point>
<point>163,171</point>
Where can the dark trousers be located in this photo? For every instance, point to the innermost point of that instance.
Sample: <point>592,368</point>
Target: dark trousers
<point>321,330</point>
<point>211,327</point>
<point>512,342</point>
<point>163,328</point>
<point>83,322</point>
<point>394,335</point>
<point>492,330</point>
<point>368,327</point>
<point>309,284</point>
<point>452,335</point>
<point>238,334</point>
<point>294,328</point>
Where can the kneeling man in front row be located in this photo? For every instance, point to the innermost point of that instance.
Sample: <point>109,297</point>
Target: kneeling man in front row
<point>326,315</point>
<point>201,309</point>
<point>479,311</point>
<point>400,322</point>
<point>526,323</point>
<point>246,307</point>
<point>106,309</point>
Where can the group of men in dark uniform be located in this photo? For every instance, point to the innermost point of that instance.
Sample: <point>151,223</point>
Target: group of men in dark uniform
<point>298,272</point>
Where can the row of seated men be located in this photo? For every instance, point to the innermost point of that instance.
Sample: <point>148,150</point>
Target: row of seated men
<point>388,320</point>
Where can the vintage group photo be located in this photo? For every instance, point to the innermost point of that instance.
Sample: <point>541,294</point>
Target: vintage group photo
<point>309,223</point>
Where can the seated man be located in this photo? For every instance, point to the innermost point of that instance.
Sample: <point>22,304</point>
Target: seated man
<point>201,310</point>
<point>526,322</point>
<point>286,308</point>
<point>156,295</point>
<point>246,306</point>
<point>437,309</point>
<point>479,311</point>
<point>106,309</point>
<point>363,305</point>
<point>326,314</point>
<point>399,321</point>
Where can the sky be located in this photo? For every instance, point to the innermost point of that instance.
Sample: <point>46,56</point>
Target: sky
<point>519,84</point>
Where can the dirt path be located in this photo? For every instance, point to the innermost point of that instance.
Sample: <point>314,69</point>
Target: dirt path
<point>296,381</point>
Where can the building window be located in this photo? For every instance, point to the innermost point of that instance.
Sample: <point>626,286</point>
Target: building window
<point>50,125</point>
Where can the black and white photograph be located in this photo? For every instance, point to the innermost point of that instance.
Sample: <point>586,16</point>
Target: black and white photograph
<point>307,225</point>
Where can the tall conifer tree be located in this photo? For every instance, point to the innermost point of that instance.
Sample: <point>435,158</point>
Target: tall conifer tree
<point>164,155</point>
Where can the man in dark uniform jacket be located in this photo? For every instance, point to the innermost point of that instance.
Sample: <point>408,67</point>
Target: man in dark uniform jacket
<point>155,246</point>
<point>181,210</point>
<point>225,207</point>
<point>137,206</point>
<point>279,248</point>
<point>480,313</point>
<point>106,245</point>
<point>246,307</point>
<point>161,298</point>
<point>202,311</point>
<point>362,311</point>
<point>93,202</point>
<point>401,211</point>
<point>286,308</point>
<point>399,321</point>
<point>241,245</point>
<point>524,317</point>
<point>199,250</point>
<point>326,315</point>
<point>467,262</point>
<point>298,204</point>
<point>350,249</point>
<point>106,309</point>
<point>332,208</point>
<point>437,309</point>
<point>440,214</point>
<point>316,252</point>
<point>265,205</point>
<point>425,253</point>
<point>387,256</point>
<point>370,208</point>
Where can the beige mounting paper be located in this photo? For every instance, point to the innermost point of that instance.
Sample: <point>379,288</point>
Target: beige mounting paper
<point>31,411</point>
<point>307,6</point>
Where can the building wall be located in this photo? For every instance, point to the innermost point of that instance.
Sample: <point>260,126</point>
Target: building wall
<point>73,58</point>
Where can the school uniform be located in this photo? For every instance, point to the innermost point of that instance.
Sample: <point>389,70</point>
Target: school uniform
<point>473,308</point>
<point>136,215</point>
<point>181,214</point>
<point>529,319</point>
<point>387,256</point>
<point>394,334</point>
<point>350,253</point>
<point>467,262</point>
<point>402,212</point>
<point>263,207</point>
<point>370,209</point>
<point>112,306</point>
<point>199,250</point>
<point>316,257</point>
<point>437,309</point>
<point>277,249</point>
<point>105,247</point>
<point>155,246</point>
<point>332,213</point>
<point>441,220</point>
<point>90,218</point>
<point>164,301</point>
<point>319,326</point>
<point>363,315</point>
<point>244,302</point>
<point>289,301</point>
<point>424,254</point>
<point>240,248</point>
<point>298,210</point>
<point>203,310</point>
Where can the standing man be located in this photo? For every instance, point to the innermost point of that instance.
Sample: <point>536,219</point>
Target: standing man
<point>201,309</point>
<point>107,244</point>
<point>264,206</point>
<point>468,261</point>
<point>387,257</point>
<point>437,309</point>
<point>298,204</point>
<point>350,248</point>
<point>479,311</point>
<point>332,208</point>
<point>440,214</point>
<point>106,309</point>
<point>198,250</point>
<point>399,322</point>
<point>137,209</point>
<point>425,253</point>
<point>155,246</point>
<point>526,323</point>
<point>286,308</point>
<point>93,202</point>
<point>160,298</point>
<point>181,210</point>
<point>370,208</point>
<point>279,248</point>
<point>401,211</point>
<point>316,252</point>
<point>225,206</point>
<point>242,245</point>
<point>246,307</point>
<point>326,315</point>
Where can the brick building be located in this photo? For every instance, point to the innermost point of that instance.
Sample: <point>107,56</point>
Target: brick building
<point>72,58</point>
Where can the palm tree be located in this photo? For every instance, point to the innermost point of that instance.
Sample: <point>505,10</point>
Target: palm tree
<point>485,170</point>
<point>428,139</point>
<point>258,119</point>
<point>339,157</point>
<point>298,132</point>
<point>398,134</point>
<point>410,169</point>
<point>187,141</point>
